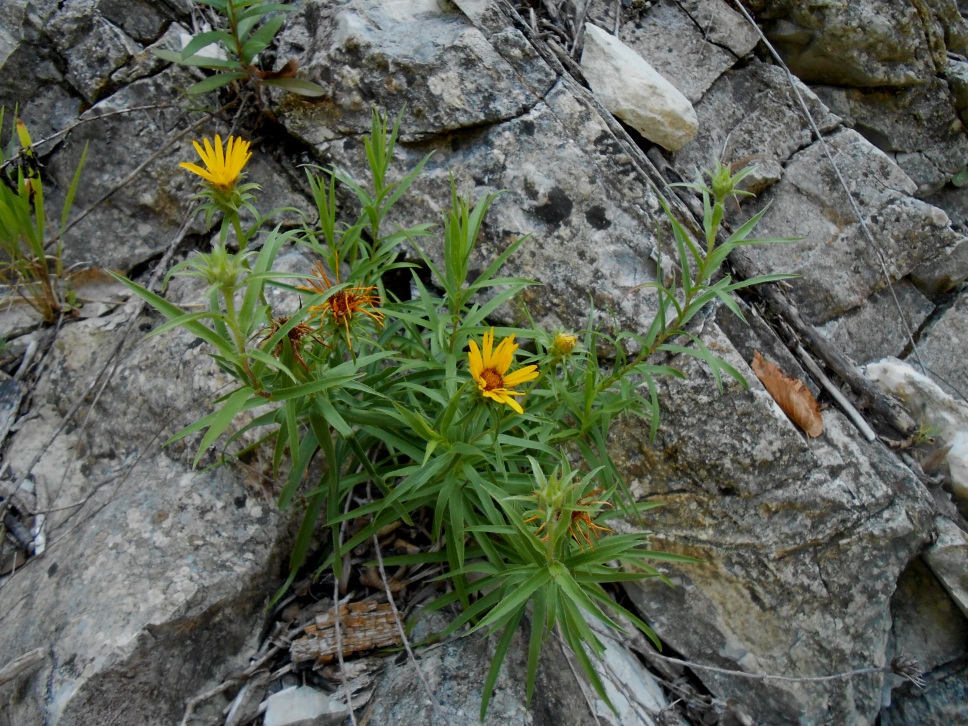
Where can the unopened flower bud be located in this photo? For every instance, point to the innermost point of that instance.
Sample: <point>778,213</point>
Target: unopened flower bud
<point>563,344</point>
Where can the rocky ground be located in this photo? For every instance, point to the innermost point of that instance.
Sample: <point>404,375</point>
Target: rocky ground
<point>144,601</point>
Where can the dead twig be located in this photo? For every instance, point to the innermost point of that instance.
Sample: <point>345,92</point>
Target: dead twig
<point>339,637</point>
<point>868,236</point>
<point>104,374</point>
<point>403,635</point>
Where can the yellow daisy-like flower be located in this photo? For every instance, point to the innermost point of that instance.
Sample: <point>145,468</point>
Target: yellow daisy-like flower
<point>489,368</point>
<point>222,167</point>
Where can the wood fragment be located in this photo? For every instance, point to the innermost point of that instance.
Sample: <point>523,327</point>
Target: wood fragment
<point>364,626</point>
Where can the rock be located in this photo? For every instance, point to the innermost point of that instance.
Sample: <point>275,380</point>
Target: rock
<point>635,92</point>
<point>941,416</point>
<point>956,74</point>
<point>148,563</point>
<point>860,333</point>
<point>303,706</point>
<point>29,71</point>
<point>941,347</point>
<point>565,179</point>
<point>455,673</point>
<point>946,558</point>
<point>930,629</point>
<point>838,267</point>
<point>751,116</point>
<point>942,701</point>
<point>783,526</point>
<point>923,398</point>
<point>860,43</point>
<point>670,37</point>
<point>98,48</point>
<point>918,125</point>
<point>927,625</point>
<point>954,201</point>
<point>722,25</point>
<point>392,54</point>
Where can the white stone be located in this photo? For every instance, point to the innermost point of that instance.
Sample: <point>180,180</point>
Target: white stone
<point>635,92</point>
<point>943,416</point>
<point>302,705</point>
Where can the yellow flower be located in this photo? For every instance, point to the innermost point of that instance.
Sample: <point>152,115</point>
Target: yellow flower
<point>222,168</point>
<point>344,303</point>
<point>490,370</point>
<point>563,344</point>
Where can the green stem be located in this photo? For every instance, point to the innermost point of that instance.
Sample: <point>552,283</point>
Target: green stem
<point>228,294</point>
<point>237,226</point>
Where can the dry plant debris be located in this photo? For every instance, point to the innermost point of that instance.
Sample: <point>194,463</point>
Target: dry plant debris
<point>364,626</point>
<point>790,394</point>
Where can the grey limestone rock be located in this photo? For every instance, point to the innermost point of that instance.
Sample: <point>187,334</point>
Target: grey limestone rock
<point>801,544</point>
<point>942,345</point>
<point>946,558</point>
<point>929,628</point>
<point>366,52</point>
<point>862,43</point>
<point>690,44</point>
<point>861,332</point>
<point>839,267</point>
<point>918,125</point>
<point>751,116</point>
<point>154,573</point>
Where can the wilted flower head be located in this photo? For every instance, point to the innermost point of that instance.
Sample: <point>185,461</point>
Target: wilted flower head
<point>343,304</point>
<point>489,368</point>
<point>222,168</point>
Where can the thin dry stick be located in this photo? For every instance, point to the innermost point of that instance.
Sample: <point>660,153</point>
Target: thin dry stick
<point>89,119</point>
<point>850,197</point>
<point>339,637</point>
<point>403,635</point>
<point>582,686</point>
<point>579,28</point>
<point>846,405</point>
<point>110,364</point>
<point>903,669</point>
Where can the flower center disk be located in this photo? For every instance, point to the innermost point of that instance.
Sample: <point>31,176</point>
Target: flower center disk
<point>492,379</point>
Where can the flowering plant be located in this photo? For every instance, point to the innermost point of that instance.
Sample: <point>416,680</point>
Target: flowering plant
<point>414,407</point>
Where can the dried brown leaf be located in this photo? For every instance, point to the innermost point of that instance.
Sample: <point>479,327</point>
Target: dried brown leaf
<point>790,394</point>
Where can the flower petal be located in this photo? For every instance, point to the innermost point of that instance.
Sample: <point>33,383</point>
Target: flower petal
<point>504,355</point>
<point>488,344</point>
<point>195,169</point>
<point>475,361</point>
<point>512,403</point>
<point>528,373</point>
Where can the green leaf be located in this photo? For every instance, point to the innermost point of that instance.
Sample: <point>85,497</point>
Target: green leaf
<point>261,38</point>
<point>500,653</point>
<point>198,61</point>
<point>72,190</point>
<point>224,346</point>
<point>213,82</point>
<point>297,86</point>
<point>203,40</point>
<point>515,599</point>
